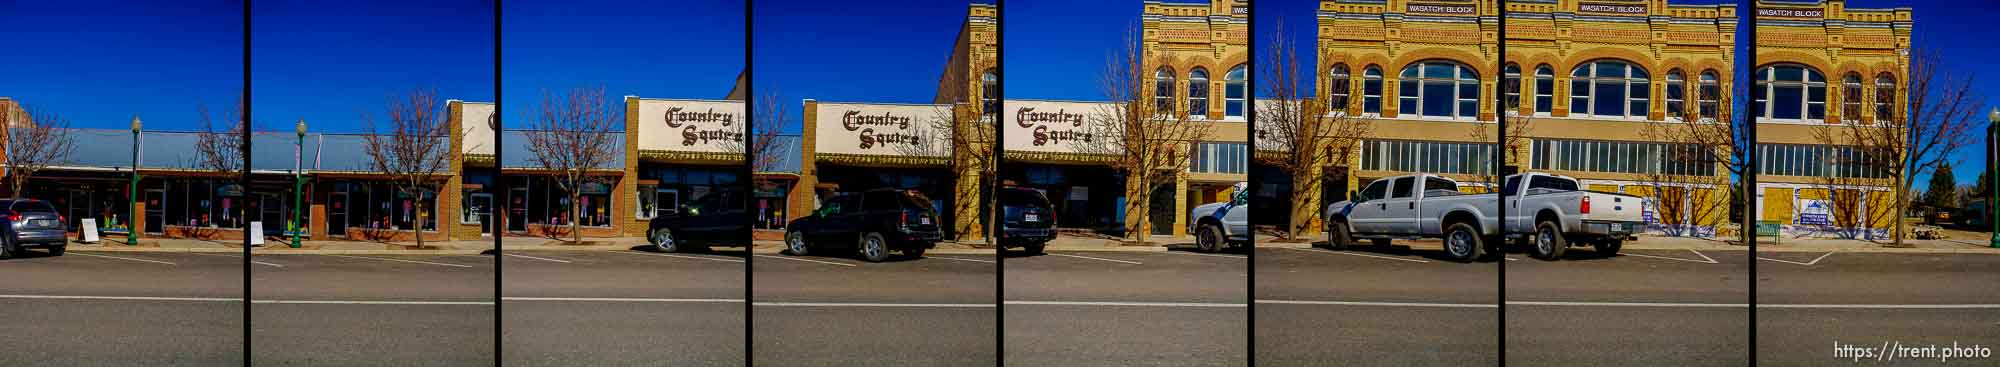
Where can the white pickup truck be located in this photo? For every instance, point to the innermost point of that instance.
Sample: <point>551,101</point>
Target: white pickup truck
<point>1222,224</point>
<point>1431,206</point>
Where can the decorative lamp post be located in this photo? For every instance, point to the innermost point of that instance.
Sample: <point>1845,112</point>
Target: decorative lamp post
<point>1992,160</point>
<point>132,205</point>
<point>298,185</point>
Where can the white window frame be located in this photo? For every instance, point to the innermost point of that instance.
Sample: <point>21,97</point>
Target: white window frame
<point>1545,73</point>
<point>1676,107</point>
<point>1462,77</point>
<point>1634,76</point>
<point>1164,81</point>
<point>1236,79</point>
<point>1769,83</point>
<point>1197,90</point>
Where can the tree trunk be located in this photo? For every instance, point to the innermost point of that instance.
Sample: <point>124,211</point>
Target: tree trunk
<point>576,216</point>
<point>1901,206</point>
<point>418,222</point>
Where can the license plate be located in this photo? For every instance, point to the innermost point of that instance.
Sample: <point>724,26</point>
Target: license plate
<point>923,220</point>
<point>1031,217</point>
<point>42,223</point>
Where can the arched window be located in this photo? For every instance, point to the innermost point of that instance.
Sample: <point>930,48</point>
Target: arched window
<point>1885,98</point>
<point>1710,94</point>
<point>1850,97</point>
<point>1236,92</point>
<point>1439,89</point>
<point>1337,82</point>
<point>1545,89</point>
<point>1371,90</point>
<point>1163,91</point>
<point>1198,93</point>
<point>1676,95</point>
<point>1789,92</point>
<point>1511,86</point>
<point>989,94</point>
<point>1609,88</point>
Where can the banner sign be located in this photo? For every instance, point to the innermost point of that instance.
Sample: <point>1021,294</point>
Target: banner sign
<point>1791,13</point>
<point>1612,8</point>
<point>691,126</point>
<point>1814,212</point>
<point>1444,9</point>
<point>1056,127</point>
<point>883,129</point>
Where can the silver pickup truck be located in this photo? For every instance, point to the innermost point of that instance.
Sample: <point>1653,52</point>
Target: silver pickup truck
<point>1216,225</point>
<point>1549,210</point>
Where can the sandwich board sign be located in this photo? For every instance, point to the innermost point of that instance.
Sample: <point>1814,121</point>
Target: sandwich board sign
<point>256,233</point>
<point>89,230</point>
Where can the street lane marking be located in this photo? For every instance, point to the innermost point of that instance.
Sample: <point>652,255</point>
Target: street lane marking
<point>119,298</point>
<point>538,258</point>
<point>1383,304</point>
<point>1884,307</point>
<point>348,302</point>
<point>868,304</point>
<point>1361,255</point>
<point>1704,257</point>
<point>1510,258</point>
<point>1629,304</point>
<point>599,299</point>
<point>959,259</point>
<point>1809,263</point>
<point>629,252</point>
<point>806,260</point>
<point>237,256</point>
<point>399,260</point>
<point>1095,258</point>
<point>1202,254</point>
<point>121,258</point>
<point>1128,304</point>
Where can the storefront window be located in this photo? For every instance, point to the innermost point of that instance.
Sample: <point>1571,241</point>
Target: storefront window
<point>1220,158</point>
<point>648,201</point>
<point>1789,92</point>
<point>1439,89</point>
<point>1609,88</point>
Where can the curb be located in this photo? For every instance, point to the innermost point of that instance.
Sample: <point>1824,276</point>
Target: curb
<point>935,251</point>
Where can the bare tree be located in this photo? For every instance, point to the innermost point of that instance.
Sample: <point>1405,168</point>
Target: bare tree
<point>1686,193</point>
<point>1310,132</point>
<point>1518,128</point>
<point>766,153</point>
<point>1940,116</point>
<point>1150,137</point>
<point>570,136</point>
<point>970,149</point>
<point>219,146</point>
<point>43,141</point>
<point>414,150</point>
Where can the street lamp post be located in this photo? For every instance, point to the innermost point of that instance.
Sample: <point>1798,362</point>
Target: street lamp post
<point>1992,160</point>
<point>298,185</point>
<point>132,205</point>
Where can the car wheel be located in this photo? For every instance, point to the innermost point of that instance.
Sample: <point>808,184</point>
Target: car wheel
<point>1208,238</point>
<point>1609,247</point>
<point>663,240</point>
<point>874,248</point>
<point>795,243</point>
<point>1548,241</point>
<point>914,252</point>
<point>57,250</point>
<point>1463,243</point>
<point>1337,236</point>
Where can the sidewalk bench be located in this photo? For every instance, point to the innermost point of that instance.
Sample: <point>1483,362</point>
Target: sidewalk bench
<point>1769,229</point>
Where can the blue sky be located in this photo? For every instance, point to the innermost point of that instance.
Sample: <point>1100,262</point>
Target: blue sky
<point>1058,49</point>
<point>331,64</point>
<point>656,49</point>
<point>98,63</point>
<point>852,51</point>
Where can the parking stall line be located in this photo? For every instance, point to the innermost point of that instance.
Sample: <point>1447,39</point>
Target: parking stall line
<point>1209,255</point>
<point>1129,304</point>
<point>959,259</point>
<point>629,252</point>
<point>805,260</point>
<point>122,258</point>
<point>1364,255</point>
<point>238,256</point>
<point>1095,258</point>
<point>539,258</point>
<point>1709,261</point>
<point>1704,256</point>
<point>1809,263</point>
<point>118,298</point>
<point>1377,304</point>
<point>400,260</point>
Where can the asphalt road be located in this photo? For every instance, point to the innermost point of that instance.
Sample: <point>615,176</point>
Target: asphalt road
<point>1374,308</point>
<point>432,310</point>
<point>838,311</point>
<point>623,308</point>
<point>1808,302</point>
<point>1174,308</point>
<point>195,317</point>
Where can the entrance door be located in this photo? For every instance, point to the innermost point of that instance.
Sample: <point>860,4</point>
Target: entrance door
<point>481,206</point>
<point>669,201</point>
<point>517,211</point>
<point>336,214</point>
<point>272,212</point>
<point>1161,210</point>
<point>79,208</point>
<point>156,210</point>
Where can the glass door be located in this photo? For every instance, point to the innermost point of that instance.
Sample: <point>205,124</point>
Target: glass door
<point>336,214</point>
<point>156,210</point>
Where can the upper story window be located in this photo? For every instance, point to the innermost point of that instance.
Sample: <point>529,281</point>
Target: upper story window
<point>1850,97</point>
<point>1545,90</point>
<point>1236,92</point>
<point>1163,91</point>
<point>1371,90</point>
<point>1676,95</point>
<point>1511,86</point>
<point>1885,96</point>
<point>1198,93</point>
<point>1710,94</point>
<point>1789,92</point>
<point>989,94</point>
<point>1337,87</point>
<point>1609,88</point>
<point>1439,89</point>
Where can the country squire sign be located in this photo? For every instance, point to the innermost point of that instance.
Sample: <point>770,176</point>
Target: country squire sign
<point>882,129</point>
<point>1053,126</point>
<point>691,125</point>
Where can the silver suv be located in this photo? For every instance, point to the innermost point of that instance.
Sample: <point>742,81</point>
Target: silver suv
<point>31,223</point>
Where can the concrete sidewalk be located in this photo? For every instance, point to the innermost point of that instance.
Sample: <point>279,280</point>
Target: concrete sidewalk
<point>943,248</point>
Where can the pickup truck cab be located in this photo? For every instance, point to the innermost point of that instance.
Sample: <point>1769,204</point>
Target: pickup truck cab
<point>1418,206</point>
<point>1215,225</point>
<point>1552,214</point>
<point>718,218</point>
<point>874,222</point>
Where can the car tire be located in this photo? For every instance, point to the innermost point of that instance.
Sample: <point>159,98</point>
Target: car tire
<point>57,250</point>
<point>1463,243</point>
<point>1547,242</point>
<point>914,252</point>
<point>1607,248</point>
<point>1337,236</point>
<point>873,247</point>
<point>795,244</point>
<point>663,240</point>
<point>1208,238</point>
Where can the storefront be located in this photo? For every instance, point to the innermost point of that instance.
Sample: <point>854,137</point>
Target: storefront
<point>864,146</point>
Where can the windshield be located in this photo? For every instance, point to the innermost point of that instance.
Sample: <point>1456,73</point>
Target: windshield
<point>33,207</point>
<point>1025,197</point>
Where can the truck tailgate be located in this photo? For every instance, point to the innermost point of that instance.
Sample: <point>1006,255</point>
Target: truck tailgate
<point>1607,207</point>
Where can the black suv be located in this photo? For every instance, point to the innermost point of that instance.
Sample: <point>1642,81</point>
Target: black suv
<point>29,222</point>
<point>1029,220</point>
<point>874,221</point>
<point>716,219</point>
